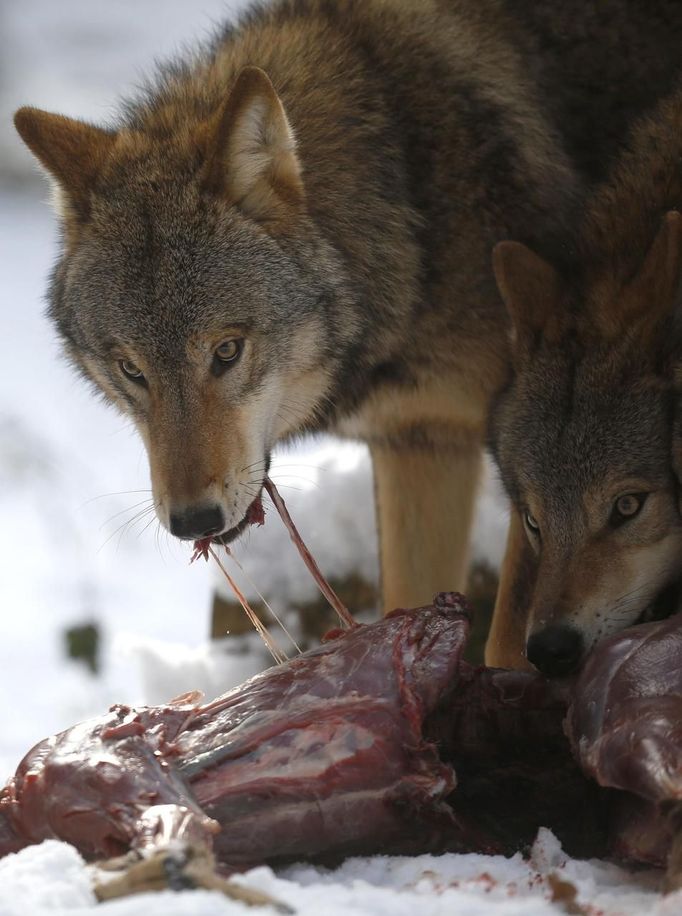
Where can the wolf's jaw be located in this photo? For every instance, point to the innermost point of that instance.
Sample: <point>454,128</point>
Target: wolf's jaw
<point>252,516</point>
<point>233,533</point>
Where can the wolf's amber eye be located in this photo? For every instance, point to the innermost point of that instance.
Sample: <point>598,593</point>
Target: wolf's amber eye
<point>131,371</point>
<point>227,353</point>
<point>626,507</point>
<point>229,350</point>
<point>531,522</point>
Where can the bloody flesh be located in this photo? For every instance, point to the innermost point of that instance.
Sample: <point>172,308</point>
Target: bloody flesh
<point>625,721</point>
<point>625,727</point>
<point>382,740</point>
<point>325,754</point>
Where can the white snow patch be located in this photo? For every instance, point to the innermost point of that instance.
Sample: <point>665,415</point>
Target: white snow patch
<point>52,879</point>
<point>170,669</point>
<point>44,879</point>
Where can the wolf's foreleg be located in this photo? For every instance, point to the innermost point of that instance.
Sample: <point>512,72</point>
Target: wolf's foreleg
<point>425,499</point>
<point>506,643</point>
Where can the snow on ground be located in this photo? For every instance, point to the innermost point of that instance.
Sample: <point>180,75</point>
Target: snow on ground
<point>51,879</point>
<point>72,477</point>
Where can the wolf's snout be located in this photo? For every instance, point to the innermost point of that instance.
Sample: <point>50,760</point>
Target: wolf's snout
<point>197,522</point>
<point>555,651</point>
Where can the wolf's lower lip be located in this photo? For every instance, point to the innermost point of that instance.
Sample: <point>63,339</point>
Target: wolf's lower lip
<point>228,536</point>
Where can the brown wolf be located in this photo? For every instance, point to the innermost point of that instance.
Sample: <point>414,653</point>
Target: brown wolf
<point>291,232</point>
<point>584,429</point>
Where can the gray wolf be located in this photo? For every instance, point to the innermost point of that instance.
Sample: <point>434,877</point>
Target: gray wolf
<point>291,232</point>
<point>587,431</point>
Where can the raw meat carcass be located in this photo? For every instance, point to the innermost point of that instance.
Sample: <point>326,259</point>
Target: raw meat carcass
<point>625,726</point>
<point>380,741</point>
<point>325,754</point>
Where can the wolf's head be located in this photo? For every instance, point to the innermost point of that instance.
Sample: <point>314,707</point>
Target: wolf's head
<point>194,291</point>
<point>582,435</point>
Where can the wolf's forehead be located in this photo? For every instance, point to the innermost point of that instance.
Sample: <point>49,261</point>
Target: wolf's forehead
<point>139,267</point>
<point>154,230</point>
<point>585,435</point>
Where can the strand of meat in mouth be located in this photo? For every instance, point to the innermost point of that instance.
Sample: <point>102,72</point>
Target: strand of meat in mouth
<point>263,599</point>
<point>261,629</point>
<point>204,548</point>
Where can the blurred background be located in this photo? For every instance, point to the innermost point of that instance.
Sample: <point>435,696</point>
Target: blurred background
<point>98,604</point>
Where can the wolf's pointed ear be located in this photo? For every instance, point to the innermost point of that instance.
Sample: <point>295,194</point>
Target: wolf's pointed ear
<point>530,289</point>
<point>649,297</point>
<point>251,151</point>
<point>72,152</point>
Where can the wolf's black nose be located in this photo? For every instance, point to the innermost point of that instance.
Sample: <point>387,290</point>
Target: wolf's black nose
<point>555,651</point>
<point>198,522</point>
